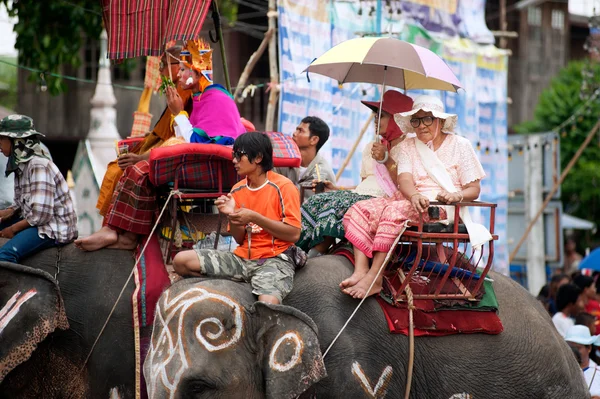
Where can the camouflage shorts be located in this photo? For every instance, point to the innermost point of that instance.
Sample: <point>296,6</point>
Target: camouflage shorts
<point>271,276</point>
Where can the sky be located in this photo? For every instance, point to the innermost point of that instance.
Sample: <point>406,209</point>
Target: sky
<point>8,37</point>
<point>584,7</point>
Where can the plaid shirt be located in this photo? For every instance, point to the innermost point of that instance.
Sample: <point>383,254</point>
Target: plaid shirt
<point>42,196</point>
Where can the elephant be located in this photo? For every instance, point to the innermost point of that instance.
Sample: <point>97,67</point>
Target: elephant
<point>211,339</point>
<point>57,302</point>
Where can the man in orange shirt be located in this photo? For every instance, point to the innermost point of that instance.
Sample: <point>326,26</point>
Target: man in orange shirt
<point>264,219</point>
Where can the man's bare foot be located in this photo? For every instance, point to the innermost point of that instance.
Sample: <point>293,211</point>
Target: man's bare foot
<point>359,290</point>
<point>126,240</point>
<point>100,239</point>
<point>358,275</point>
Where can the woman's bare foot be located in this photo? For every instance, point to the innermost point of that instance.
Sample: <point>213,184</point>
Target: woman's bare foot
<point>358,275</point>
<point>359,290</point>
<point>126,240</point>
<point>361,267</point>
<point>100,239</point>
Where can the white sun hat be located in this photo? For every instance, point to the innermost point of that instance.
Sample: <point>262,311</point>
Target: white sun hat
<point>580,335</point>
<point>428,104</point>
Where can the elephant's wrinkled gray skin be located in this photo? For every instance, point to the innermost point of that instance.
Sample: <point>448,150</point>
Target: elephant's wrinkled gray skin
<point>89,284</point>
<point>528,360</point>
<point>260,350</point>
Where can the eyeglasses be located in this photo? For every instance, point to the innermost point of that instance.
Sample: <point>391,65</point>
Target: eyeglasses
<point>426,121</point>
<point>163,64</point>
<point>238,154</point>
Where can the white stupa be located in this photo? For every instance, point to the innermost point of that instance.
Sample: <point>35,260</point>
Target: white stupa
<point>97,150</point>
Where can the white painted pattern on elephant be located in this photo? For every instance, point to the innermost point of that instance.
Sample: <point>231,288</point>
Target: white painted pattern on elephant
<point>12,307</point>
<point>380,389</point>
<point>461,396</point>
<point>114,394</point>
<point>167,357</point>
<point>296,357</point>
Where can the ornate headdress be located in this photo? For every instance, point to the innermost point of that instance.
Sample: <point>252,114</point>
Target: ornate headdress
<point>197,55</point>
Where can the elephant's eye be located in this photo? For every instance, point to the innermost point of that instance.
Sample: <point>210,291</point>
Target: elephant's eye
<point>199,385</point>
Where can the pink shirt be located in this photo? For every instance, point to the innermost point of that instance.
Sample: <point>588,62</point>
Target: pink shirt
<point>456,153</point>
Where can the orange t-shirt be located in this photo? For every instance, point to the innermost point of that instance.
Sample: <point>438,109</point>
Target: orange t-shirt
<point>277,199</point>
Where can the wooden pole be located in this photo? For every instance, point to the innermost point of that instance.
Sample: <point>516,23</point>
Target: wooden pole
<point>353,149</point>
<point>503,24</point>
<point>270,120</point>
<point>217,21</point>
<point>554,189</point>
<point>251,64</point>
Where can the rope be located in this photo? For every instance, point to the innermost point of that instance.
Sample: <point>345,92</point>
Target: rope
<point>411,334</point>
<point>127,87</point>
<point>173,192</point>
<point>385,262</point>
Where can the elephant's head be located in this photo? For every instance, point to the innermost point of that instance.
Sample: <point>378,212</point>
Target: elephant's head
<point>31,307</point>
<point>211,339</point>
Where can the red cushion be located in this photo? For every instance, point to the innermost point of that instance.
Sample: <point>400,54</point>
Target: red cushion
<point>200,166</point>
<point>201,163</point>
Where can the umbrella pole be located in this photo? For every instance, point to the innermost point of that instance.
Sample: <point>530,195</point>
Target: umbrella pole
<point>377,132</point>
<point>217,22</point>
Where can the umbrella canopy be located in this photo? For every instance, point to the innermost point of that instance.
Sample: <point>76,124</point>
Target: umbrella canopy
<point>369,59</point>
<point>592,261</point>
<point>139,27</point>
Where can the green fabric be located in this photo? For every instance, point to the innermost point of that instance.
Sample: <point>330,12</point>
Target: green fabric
<point>218,87</point>
<point>322,216</point>
<point>23,149</point>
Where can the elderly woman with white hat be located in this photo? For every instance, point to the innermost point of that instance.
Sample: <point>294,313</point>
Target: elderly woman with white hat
<point>42,215</point>
<point>434,165</point>
<point>580,338</point>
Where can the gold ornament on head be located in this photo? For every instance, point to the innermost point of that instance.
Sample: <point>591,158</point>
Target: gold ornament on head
<point>197,55</point>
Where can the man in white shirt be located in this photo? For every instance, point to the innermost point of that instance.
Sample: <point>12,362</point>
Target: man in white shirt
<point>568,303</point>
<point>579,337</point>
<point>310,135</point>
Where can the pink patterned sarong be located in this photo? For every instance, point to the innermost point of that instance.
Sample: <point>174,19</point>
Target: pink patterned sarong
<point>373,225</point>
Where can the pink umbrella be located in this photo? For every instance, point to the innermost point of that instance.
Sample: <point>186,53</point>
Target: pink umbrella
<point>388,61</point>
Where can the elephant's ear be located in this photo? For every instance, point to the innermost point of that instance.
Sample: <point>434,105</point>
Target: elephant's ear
<point>291,356</point>
<point>31,307</point>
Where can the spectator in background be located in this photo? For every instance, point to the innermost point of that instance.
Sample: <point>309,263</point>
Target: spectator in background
<point>588,320</point>
<point>579,337</point>
<point>588,289</point>
<point>572,257</point>
<point>569,304</point>
<point>547,294</point>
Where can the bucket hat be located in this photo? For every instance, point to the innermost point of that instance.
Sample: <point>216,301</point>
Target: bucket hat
<point>18,127</point>
<point>431,104</point>
<point>580,335</point>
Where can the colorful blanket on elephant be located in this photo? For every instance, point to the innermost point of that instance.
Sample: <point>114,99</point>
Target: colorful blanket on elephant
<point>437,318</point>
<point>151,279</point>
<point>322,216</point>
<point>441,322</point>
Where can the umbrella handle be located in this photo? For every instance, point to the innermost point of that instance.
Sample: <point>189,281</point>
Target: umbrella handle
<point>377,135</point>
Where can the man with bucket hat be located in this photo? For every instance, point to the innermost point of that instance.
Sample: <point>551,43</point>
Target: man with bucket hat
<point>579,338</point>
<point>42,215</point>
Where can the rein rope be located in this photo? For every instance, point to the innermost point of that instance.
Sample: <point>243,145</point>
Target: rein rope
<point>385,262</point>
<point>411,307</point>
<point>173,192</point>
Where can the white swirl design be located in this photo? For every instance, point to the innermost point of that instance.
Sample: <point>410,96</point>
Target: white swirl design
<point>294,360</point>
<point>167,358</point>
